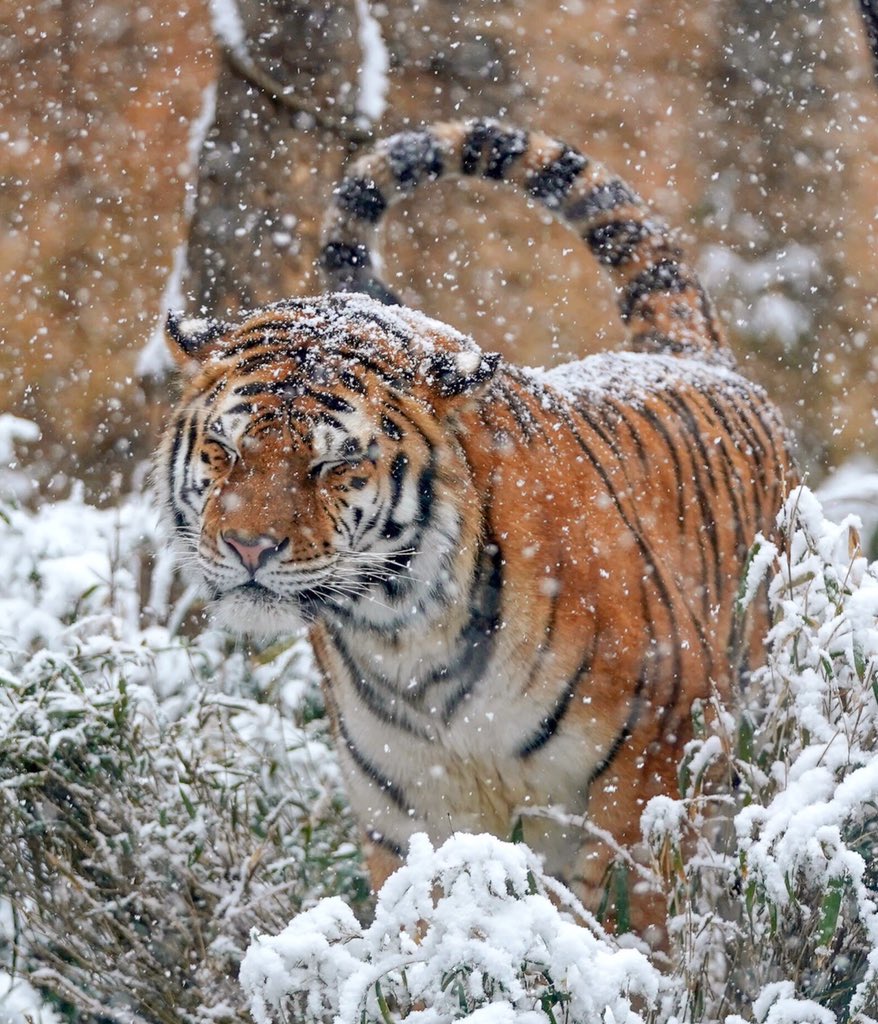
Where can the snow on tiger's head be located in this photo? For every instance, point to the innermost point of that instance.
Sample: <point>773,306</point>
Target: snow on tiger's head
<point>312,461</point>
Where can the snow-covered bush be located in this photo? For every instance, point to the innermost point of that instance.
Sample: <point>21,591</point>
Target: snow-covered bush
<point>159,797</point>
<point>472,931</point>
<point>771,857</point>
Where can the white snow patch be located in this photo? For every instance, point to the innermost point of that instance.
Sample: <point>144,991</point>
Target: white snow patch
<point>14,482</point>
<point>853,487</point>
<point>373,84</point>
<point>14,429</point>
<point>20,1003</point>
<point>632,376</point>
<point>228,25</point>
<point>796,265</point>
<point>780,316</point>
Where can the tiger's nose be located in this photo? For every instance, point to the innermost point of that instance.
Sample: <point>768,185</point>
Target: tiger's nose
<point>254,551</point>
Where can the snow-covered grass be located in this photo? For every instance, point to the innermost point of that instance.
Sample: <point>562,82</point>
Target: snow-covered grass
<point>472,930</point>
<point>170,808</point>
<point>159,796</point>
<point>770,858</point>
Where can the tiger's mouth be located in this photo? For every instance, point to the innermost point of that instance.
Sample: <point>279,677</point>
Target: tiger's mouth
<point>307,601</point>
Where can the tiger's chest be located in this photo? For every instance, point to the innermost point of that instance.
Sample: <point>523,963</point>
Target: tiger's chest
<point>427,745</point>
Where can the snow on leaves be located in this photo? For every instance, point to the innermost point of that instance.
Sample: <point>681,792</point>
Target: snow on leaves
<point>775,887</point>
<point>159,797</point>
<point>472,930</point>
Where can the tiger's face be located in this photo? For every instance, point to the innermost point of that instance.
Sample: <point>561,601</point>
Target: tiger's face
<point>302,481</point>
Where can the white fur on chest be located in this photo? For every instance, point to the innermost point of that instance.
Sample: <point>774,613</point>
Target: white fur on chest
<point>465,772</point>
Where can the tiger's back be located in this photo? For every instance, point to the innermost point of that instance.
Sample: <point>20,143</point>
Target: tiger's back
<point>517,581</point>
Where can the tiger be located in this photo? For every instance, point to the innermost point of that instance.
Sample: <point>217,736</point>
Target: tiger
<point>517,582</point>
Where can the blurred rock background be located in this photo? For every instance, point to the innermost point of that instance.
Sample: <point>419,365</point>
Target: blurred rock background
<point>752,127</point>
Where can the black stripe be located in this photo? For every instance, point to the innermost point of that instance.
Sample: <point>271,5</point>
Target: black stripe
<point>398,470</point>
<point>353,383</point>
<point>504,148</point>
<point>518,410</point>
<point>209,397</point>
<point>361,198</point>
<point>529,403</point>
<point>262,387</point>
<point>667,275</point>
<point>606,436</point>
<point>550,723</point>
<point>329,401</point>
<point>192,435</point>
<point>252,339</point>
<point>179,518</point>
<point>625,732</point>
<point>551,183</point>
<point>373,692</point>
<point>757,452</point>
<point>661,429</point>
<point>471,149</point>
<point>749,399</point>
<point>392,376</point>
<point>476,641</point>
<point>240,408</point>
<point>260,361</point>
<point>413,156</point>
<point>626,414</point>
<point>665,595</point>
<point>292,389</point>
<point>616,243</point>
<point>425,491</point>
<point>391,789</point>
<point>380,839</point>
<point>601,199</point>
<point>391,429</point>
<point>681,407</point>
<point>339,255</point>
<point>734,488</point>
<point>327,417</point>
<point>392,530</point>
<point>684,416</point>
<point>545,645</point>
<point>654,574</point>
<point>285,326</point>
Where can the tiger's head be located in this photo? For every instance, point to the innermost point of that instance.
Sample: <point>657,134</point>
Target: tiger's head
<point>312,467</point>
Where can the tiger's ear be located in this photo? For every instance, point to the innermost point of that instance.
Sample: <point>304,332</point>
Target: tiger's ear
<point>451,375</point>
<point>191,337</point>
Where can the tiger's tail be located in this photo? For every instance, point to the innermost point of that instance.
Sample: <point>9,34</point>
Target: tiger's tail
<point>659,295</point>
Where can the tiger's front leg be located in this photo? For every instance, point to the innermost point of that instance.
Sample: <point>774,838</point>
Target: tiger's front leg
<point>381,861</point>
<point>610,873</point>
